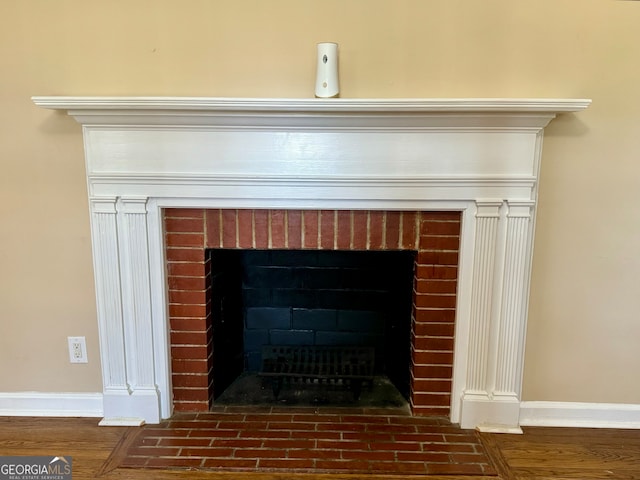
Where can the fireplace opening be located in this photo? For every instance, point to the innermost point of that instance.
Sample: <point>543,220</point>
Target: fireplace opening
<point>323,302</point>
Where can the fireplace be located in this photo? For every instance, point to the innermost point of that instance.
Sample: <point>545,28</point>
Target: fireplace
<point>412,314</point>
<point>478,157</point>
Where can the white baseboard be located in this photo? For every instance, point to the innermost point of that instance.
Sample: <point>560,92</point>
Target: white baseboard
<point>539,414</point>
<point>574,414</point>
<point>36,404</point>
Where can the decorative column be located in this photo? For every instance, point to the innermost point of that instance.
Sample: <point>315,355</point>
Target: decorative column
<point>484,273</point>
<point>106,259</point>
<point>120,244</point>
<point>514,302</point>
<point>502,264</point>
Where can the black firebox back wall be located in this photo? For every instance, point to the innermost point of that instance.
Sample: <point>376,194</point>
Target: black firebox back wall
<point>311,297</point>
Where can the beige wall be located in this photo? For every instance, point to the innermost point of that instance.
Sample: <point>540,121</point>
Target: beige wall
<point>583,325</point>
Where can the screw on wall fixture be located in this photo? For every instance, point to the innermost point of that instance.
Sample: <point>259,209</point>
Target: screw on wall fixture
<point>77,350</point>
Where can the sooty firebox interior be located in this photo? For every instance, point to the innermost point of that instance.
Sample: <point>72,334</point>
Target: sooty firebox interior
<point>310,298</point>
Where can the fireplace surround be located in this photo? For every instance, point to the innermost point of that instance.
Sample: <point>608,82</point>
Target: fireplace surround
<point>398,296</point>
<point>480,157</point>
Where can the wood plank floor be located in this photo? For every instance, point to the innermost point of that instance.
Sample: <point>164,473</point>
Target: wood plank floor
<point>566,453</point>
<point>541,453</point>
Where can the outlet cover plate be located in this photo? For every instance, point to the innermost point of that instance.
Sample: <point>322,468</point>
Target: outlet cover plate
<point>77,350</point>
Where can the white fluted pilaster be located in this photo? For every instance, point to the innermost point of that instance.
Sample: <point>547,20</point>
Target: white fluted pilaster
<point>491,399</point>
<point>136,302</point>
<point>136,291</point>
<point>514,300</point>
<point>117,395</point>
<point>106,257</point>
<point>487,222</point>
<point>121,267</point>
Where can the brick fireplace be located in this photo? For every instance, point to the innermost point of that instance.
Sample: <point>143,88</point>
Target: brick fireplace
<point>477,157</point>
<point>435,236</point>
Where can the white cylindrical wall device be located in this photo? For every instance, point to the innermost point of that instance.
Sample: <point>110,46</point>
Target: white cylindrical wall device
<point>327,71</point>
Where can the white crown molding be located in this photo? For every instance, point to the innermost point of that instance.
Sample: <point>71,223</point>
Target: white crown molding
<point>317,105</point>
<point>342,114</point>
<point>576,414</point>
<point>37,404</point>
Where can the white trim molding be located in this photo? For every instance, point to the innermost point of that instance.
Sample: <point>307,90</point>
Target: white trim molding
<point>477,156</point>
<point>576,414</point>
<point>316,105</point>
<point>38,404</point>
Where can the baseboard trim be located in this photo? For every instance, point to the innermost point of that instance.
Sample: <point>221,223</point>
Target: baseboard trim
<point>575,414</point>
<point>539,414</point>
<point>37,404</point>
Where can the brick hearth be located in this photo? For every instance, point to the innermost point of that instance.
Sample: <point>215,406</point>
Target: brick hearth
<point>434,235</point>
<point>310,440</point>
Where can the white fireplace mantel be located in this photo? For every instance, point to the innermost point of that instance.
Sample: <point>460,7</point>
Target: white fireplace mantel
<point>477,156</point>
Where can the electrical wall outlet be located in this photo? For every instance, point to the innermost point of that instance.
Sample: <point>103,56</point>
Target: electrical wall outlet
<point>77,350</point>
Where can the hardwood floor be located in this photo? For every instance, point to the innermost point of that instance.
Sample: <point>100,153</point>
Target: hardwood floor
<point>541,453</point>
<point>566,453</point>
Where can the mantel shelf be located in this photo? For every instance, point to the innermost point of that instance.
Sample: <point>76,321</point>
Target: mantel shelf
<point>315,105</point>
<point>314,113</point>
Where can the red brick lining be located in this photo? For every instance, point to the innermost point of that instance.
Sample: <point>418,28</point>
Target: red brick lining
<point>434,235</point>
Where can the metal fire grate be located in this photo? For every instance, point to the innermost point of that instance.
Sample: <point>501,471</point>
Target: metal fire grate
<point>350,366</point>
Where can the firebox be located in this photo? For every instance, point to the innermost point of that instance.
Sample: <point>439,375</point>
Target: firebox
<point>240,280</point>
<point>307,298</point>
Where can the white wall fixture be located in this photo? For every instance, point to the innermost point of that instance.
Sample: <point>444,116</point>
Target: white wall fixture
<point>77,350</point>
<point>477,156</point>
<point>327,82</point>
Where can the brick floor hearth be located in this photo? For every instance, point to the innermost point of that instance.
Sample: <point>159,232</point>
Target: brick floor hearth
<point>311,440</point>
